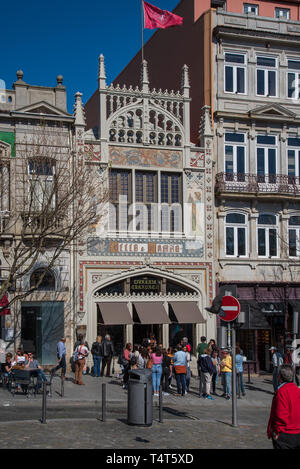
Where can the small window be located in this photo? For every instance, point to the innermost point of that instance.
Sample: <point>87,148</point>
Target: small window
<point>294,236</point>
<point>235,73</point>
<point>43,280</point>
<point>266,76</point>
<point>250,8</point>
<point>236,235</point>
<point>282,13</point>
<point>293,79</point>
<point>267,238</point>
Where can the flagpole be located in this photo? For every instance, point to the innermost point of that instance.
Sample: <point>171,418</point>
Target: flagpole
<point>142,29</point>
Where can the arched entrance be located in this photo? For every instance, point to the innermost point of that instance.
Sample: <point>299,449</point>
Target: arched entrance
<point>137,305</point>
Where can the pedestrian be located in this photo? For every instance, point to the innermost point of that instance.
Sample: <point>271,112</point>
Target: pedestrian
<point>239,360</point>
<point>185,343</point>
<point>200,350</point>
<point>80,355</point>
<point>284,420</point>
<point>216,364</point>
<point>180,367</point>
<point>277,360</point>
<point>6,368</point>
<point>226,372</point>
<point>207,370</point>
<point>212,345</point>
<point>81,341</point>
<point>61,356</point>
<point>108,352</point>
<point>157,358</point>
<point>127,355</point>
<point>171,356</point>
<point>188,367</point>
<point>166,371</point>
<point>97,355</point>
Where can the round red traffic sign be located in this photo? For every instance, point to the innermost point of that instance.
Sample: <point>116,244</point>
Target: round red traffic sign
<point>230,308</point>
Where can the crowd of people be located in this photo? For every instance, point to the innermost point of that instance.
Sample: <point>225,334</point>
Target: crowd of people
<point>175,362</point>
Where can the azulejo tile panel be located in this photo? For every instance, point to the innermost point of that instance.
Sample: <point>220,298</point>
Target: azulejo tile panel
<point>145,157</point>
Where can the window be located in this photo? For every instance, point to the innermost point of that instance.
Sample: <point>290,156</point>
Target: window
<point>266,148</point>
<point>171,202</point>
<point>44,279</point>
<point>235,150</point>
<point>293,79</point>
<point>250,8</point>
<point>267,235</point>
<point>41,184</point>
<point>294,236</point>
<point>120,198</point>
<point>145,192</point>
<point>236,239</point>
<point>293,155</point>
<point>235,73</point>
<point>266,76</point>
<point>282,13</point>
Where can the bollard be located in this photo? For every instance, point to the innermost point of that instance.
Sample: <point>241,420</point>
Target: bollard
<point>62,384</point>
<point>44,403</point>
<point>160,405</point>
<point>103,402</point>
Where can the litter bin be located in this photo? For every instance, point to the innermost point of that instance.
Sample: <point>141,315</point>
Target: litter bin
<point>139,410</point>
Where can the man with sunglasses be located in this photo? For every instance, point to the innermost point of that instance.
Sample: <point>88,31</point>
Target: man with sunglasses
<point>33,364</point>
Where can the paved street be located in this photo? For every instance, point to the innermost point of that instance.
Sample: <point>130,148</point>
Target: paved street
<point>74,420</point>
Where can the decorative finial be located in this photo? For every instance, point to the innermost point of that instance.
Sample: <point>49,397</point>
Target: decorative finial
<point>101,73</point>
<point>78,110</point>
<point>59,80</point>
<point>185,82</point>
<point>145,77</point>
<point>20,75</point>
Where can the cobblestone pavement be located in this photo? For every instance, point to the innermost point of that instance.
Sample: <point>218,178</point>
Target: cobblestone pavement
<point>74,420</point>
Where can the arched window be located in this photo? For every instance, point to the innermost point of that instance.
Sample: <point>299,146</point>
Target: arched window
<point>294,236</point>
<point>267,235</point>
<point>42,279</point>
<point>236,235</point>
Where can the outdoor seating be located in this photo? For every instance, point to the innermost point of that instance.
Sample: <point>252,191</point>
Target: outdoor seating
<point>27,379</point>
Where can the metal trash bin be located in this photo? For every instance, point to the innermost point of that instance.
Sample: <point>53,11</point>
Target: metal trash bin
<point>139,410</point>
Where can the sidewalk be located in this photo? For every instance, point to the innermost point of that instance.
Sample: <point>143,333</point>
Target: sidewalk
<point>74,420</point>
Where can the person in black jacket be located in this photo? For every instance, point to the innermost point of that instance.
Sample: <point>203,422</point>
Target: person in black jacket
<point>207,370</point>
<point>107,354</point>
<point>97,355</point>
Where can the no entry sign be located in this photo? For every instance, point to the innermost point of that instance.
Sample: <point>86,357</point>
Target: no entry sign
<point>230,308</point>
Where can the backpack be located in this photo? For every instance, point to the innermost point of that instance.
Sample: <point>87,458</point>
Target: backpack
<point>75,355</point>
<point>279,359</point>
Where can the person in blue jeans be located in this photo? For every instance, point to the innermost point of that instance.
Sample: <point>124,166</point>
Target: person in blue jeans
<point>97,355</point>
<point>180,366</point>
<point>157,358</point>
<point>239,369</point>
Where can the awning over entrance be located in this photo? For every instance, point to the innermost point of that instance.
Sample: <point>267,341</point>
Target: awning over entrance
<point>151,312</point>
<point>115,313</point>
<point>187,312</point>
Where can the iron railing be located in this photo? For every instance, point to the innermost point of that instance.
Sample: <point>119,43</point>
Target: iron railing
<point>254,183</point>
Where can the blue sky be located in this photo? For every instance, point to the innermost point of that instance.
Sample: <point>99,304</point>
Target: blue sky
<point>45,39</point>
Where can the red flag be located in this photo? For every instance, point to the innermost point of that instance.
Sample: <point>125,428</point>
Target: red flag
<point>157,18</point>
<point>4,302</point>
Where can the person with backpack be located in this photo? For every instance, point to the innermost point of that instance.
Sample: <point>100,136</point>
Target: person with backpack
<point>97,355</point>
<point>108,353</point>
<point>277,361</point>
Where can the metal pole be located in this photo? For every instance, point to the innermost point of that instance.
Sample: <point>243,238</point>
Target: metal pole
<point>234,401</point>
<point>103,402</point>
<point>62,384</point>
<point>160,404</point>
<point>44,405</point>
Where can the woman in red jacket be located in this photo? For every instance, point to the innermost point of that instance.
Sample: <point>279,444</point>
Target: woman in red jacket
<point>284,421</point>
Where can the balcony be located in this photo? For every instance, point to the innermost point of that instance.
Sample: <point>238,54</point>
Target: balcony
<point>240,184</point>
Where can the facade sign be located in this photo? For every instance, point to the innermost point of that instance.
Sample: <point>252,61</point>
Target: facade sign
<point>141,246</point>
<point>144,284</point>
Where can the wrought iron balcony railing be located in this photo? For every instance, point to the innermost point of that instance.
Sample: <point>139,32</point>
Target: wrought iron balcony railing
<point>255,183</point>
